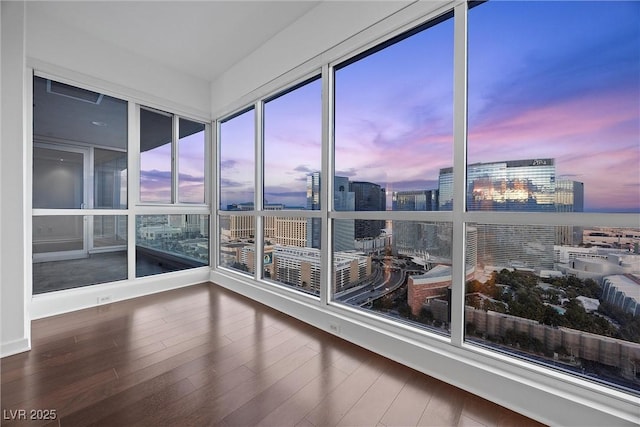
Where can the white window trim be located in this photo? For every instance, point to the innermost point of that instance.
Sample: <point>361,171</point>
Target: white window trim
<point>565,399</point>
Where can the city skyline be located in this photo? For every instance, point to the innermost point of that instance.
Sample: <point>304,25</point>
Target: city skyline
<point>571,95</point>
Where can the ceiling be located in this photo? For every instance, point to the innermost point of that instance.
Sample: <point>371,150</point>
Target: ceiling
<point>200,38</point>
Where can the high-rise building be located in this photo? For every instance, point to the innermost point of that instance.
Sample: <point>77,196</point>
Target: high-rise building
<point>288,231</point>
<point>517,185</point>
<point>505,245</point>
<point>368,197</point>
<point>270,221</point>
<point>301,267</point>
<point>513,185</point>
<point>343,200</point>
<point>569,198</point>
<point>244,227</point>
<point>410,237</point>
<point>314,225</point>
<point>417,200</point>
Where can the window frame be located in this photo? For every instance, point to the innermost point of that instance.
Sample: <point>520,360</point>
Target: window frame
<point>459,216</point>
<point>175,139</point>
<point>133,206</point>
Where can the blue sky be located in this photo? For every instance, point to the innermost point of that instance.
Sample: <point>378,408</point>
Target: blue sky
<point>546,79</point>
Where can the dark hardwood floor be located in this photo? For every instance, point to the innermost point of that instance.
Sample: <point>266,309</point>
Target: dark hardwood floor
<point>202,356</point>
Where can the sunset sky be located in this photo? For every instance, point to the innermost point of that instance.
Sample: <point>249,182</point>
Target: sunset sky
<point>546,80</point>
<point>155,171</point>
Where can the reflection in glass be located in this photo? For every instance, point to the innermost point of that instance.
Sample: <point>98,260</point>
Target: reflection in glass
<point>70,115</point>
<point>191,158</point>
<point>237,242</point>
<point>73,128</point>
<point>59,233</point>
<point>287,259</point>
<point>404,273</point>
<point>110,182</point>
<point>109,231</point>
<point>552,100</point>
<point>394,118</point>
<point>237,160</point>
<point>64,256</point>
<point>292,134</point>
<point>58,178</point>
<point>167,243</point>
<point>575,307</point>
<point>156,134</point>
<point>515,185</point>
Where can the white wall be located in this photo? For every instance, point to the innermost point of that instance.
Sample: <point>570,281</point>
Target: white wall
<point>15,331</point>
<point>50,45</point>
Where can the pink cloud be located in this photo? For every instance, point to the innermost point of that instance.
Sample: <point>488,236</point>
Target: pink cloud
<point>594,138</point>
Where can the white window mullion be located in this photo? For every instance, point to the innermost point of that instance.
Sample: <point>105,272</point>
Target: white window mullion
<point>213,193</point>
<point>456,305</point>
<point>209,162</point>
<point>174,158</point>
<point>259,189</point>
<point>326,183</point>
<point>133,184</point>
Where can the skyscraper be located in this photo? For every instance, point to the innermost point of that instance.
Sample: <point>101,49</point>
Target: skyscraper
<point>513,185</point>
<point>416,200</point>
<point>410,237</point>
<point>517,185</point>
<point>343,200</point>
<point>368,197</point>
<point>569,198</point>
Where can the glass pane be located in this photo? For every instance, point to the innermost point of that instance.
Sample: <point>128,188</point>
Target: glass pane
<point>110,179</point>
<point>156,133</point>
<point>71,126</point>
<point>58,233</point>
<point>66,114</point>
<point>167,243</point>
<point>109,231</point>
<point>63,258</point>
<point>287,258</point>
<point>292,146</point>
<point>394,118</point>
<point>58,179</point>
<point>237,244</point>
<point>191,158</point>
<point>553,105</point>
<point>403,274</point>
<point>237,161</point>
<point>575,307</point>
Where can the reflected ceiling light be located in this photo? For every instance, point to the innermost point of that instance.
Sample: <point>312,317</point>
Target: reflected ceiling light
<point>101,124</point>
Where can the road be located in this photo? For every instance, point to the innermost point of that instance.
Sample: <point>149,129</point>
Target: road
<point>384,281</point>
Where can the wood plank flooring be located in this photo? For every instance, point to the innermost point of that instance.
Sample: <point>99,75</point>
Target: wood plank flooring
<point>202,356</point>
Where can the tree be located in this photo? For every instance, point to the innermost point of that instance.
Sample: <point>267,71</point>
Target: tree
<point>552,317</point>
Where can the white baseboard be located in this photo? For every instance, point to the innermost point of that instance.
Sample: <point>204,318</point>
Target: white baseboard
<point>14,347</point>
<point>53,303</point>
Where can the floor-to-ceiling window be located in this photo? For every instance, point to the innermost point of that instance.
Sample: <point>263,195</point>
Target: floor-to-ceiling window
<point>80,194</point>
<point>172,224</point>
<point>536,173</point>
<point>81,190</point>
<point>393,123</point>
<point>236,170</point>
<point>554,119</point>
<point>292,157</point>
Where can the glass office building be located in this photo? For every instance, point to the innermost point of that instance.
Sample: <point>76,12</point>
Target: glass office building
<point>513,185</point>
